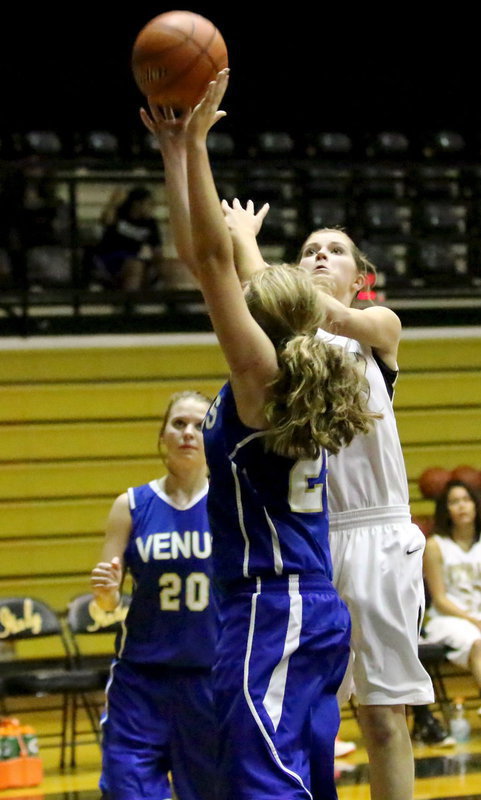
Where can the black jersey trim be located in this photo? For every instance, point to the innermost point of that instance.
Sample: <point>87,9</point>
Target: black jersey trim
<point>389,375</point>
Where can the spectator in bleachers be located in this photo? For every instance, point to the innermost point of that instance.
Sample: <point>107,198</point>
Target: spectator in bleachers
<point>12,264</point>
<point>452,564</point>
<point>129,254</point>
<point>42,229</point>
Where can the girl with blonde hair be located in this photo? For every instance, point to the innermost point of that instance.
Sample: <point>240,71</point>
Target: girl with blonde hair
<point>284,632</point>
<point>159,716</point>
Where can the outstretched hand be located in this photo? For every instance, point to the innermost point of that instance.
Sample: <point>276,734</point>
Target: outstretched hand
<point>240,220</point>
<point>207,112</point>
<point>168,129</point>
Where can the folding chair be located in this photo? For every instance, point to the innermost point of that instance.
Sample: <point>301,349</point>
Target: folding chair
<point>386,217</point>
<point>327,213</point>
<point>85,619</point>
<point>445,145</point>
<point>23,618</point>
<point>432,656</point>
<point>443,263</point>
<point>331,145</point>
<point>389,145</point>
<point>442,218</point>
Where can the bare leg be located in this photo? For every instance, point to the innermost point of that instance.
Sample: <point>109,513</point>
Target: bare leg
<point>132,275</point>
<point>475,661</point>
<point>388,744</point>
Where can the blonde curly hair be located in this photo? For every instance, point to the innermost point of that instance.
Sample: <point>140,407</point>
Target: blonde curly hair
<point>318,399</point>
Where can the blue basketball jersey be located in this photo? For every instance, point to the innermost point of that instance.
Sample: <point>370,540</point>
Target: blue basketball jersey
<point>171,619</point>
<point>268,513</point>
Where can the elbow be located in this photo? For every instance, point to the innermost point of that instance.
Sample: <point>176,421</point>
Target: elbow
<point>337,321</point>
<point>209,261</point>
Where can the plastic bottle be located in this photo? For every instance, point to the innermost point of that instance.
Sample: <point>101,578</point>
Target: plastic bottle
<point>29,739</point>
<point>459,725</point>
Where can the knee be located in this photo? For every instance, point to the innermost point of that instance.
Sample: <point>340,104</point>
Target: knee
<point>475,652</point>
<point>380,724</point>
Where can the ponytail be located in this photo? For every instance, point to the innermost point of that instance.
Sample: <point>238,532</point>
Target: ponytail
<point>317,400</point>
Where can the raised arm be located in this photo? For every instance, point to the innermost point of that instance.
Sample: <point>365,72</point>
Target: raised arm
<point>244,225</point>
<point>249,352</point>
<point>378,327</point>
<point>170,134</point>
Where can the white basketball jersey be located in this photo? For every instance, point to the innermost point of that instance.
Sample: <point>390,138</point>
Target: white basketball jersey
<point>462,575</point>
<point>370,472</point>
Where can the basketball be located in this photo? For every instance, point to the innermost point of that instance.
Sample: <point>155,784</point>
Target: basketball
<point>468,475</point>
<point>433,480</point>
<point>175,56</point>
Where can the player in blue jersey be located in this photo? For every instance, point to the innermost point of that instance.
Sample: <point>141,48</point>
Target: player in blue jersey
<point>284,632</point>
<point>159,714</point>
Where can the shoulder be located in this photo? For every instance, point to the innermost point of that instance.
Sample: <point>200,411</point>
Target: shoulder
<point>139,496</point>
<point>386,333</point>
<point>121,503</point>
<point>119,522</point>
<point>383,314</point>
<point>434,546</point>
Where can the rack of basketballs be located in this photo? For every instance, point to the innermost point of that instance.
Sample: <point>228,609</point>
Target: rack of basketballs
<point>433,481</point>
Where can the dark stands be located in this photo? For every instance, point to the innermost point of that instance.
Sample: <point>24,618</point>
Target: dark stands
<point>415,206</point>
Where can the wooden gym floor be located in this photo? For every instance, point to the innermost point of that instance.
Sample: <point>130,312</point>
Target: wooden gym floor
<point>441,774</point>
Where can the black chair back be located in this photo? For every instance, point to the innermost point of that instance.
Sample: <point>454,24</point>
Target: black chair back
<point>84,615</point>
<point>26,618</point>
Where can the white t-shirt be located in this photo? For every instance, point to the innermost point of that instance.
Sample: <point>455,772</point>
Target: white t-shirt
<point>461,575</point>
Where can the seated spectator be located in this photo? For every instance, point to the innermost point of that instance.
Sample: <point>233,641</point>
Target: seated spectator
<point>44,230</point>
<point>452,565</point>
<point>129,253</point>
<point>5,228</point>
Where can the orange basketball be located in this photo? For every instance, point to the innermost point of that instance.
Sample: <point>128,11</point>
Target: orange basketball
<point>433,481</point>
<point>175,56</point>
<point>469,475</point>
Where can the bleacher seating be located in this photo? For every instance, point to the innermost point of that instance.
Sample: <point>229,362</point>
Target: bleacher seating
<point>80,425</point>
<point>405,197</point>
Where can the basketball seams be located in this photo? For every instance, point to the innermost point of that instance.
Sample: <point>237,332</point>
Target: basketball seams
<point>203,50</point>
<point>199,53</point>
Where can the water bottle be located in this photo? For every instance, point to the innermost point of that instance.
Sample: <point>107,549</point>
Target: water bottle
<point>459,725</point>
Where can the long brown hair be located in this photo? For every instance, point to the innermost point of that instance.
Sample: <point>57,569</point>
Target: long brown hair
<point>318,399</point>
<point>443,524</point>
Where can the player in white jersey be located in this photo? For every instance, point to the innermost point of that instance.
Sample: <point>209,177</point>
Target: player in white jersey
<point>376,550</point>
<point>453,575</point>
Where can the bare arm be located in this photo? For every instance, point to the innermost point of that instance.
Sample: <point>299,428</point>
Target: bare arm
<point>249,352</point>
<point>107,576</point>
<point>244,225</point>
<point>170,134</point>
<point>378,327</point>
<point>433,570</point>
<point>109,213</point>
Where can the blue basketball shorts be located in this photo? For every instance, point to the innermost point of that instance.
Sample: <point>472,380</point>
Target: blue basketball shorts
<point>282,654</point>
<point>157,720</point>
